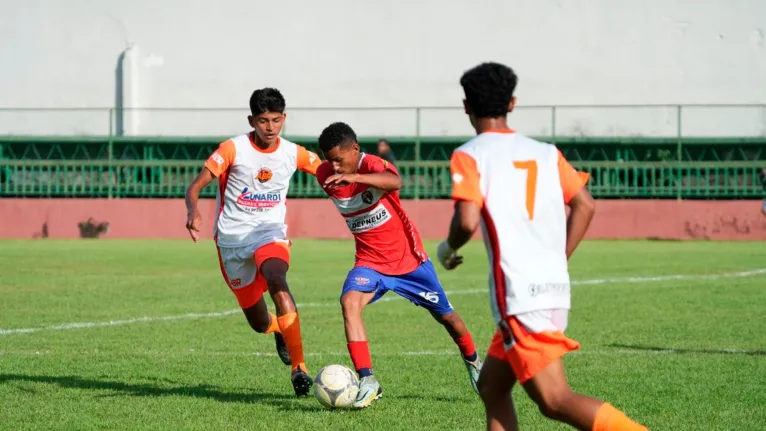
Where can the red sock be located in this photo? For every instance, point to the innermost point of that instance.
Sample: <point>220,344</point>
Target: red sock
<point>360,356</point>
<point>465,344</point>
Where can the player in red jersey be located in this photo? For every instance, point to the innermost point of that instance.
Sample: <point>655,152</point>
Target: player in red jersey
<point>389,251</point>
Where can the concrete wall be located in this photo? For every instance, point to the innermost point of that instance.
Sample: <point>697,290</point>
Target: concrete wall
<point>350,53</point>
<point>317,218</point>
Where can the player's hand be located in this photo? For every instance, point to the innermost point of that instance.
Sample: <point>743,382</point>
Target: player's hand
<point>193,223</point>
<point>339,180</point>
<point>448,257</point>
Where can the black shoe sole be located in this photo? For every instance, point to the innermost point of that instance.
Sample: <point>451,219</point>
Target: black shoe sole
<point>282,352</point>
<point>302,384</point>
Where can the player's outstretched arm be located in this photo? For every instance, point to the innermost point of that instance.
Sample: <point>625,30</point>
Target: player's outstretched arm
<point>193,217</point>
<point>583,208</point>
<point>465,221</point>
<point>386,181</point>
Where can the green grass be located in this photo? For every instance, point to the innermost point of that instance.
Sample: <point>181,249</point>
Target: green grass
<point>652,348</point>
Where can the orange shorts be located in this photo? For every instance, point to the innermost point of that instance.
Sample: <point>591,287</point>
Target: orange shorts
<point>241,268</point>
<point>530,342</point>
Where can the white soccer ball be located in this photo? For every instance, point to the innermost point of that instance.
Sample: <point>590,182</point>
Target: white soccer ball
<point>336,386</point>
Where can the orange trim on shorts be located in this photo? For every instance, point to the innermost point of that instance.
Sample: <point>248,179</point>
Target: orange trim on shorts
<point>246,296</point>
<point>530,352</point>
<point>278,250</point>
<point>249,295</point>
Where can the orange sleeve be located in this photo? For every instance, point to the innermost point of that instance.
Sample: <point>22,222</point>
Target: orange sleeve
<point>465,178</point>
<point>571,180</point>
<point>222,158</point>
<point>308,161</point>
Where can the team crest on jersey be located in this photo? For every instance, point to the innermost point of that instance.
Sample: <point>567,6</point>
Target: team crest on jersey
<point>264,175</point>
<point>367,197</point>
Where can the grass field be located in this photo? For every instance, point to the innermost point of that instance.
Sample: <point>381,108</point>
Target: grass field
<point>674,333</point>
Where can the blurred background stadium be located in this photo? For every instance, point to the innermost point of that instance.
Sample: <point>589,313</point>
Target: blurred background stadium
<point>116,99</point>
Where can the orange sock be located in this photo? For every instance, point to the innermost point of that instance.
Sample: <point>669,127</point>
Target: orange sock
<point>609,418</point>
<point>273,324</point>
<point>290,325</point>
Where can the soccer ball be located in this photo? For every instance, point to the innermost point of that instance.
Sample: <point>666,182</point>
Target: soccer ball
<point>336,386</point>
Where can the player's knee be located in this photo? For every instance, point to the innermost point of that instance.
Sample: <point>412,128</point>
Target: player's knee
<point>276,281</point>
<point>488,390</point>
<point>554,403</point>
<point>491,388</point>
<point>351,306</point>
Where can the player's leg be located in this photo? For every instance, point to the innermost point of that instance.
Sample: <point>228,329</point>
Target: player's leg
<point>273,261</point>
<point>536,345</point>
<point>422,287</point>
<point>362,286</point>
<point>550,390</point>
<point>263,322</point>
<point>240,273</point>
<point>495,385</point>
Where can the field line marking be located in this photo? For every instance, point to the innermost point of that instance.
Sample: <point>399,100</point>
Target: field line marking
<point>188,316</point>
<point>437,353</point>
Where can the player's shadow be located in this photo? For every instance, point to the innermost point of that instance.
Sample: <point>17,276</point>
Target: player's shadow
<point>677,351</point>
<point>438,398</point>
<point>281,401</point>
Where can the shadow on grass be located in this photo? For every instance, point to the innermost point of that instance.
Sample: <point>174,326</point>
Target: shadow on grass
<point>282,401</point>
<point>677,351</point>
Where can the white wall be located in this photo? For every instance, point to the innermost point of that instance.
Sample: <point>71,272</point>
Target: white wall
<point>394,53</point>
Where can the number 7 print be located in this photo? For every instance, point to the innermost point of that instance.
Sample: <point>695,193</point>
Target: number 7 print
<point>531,167</point>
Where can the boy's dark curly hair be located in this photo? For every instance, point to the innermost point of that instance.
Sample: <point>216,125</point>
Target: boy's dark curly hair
<point>488,89</point>
<point>336,134</point>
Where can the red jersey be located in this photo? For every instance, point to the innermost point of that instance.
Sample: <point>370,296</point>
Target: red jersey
<point>386,240</point>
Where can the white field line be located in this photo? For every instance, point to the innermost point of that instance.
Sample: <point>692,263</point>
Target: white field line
<point>432,353</point>
<point>146,319</point>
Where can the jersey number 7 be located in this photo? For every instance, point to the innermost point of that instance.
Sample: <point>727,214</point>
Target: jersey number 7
<point>531,167</point>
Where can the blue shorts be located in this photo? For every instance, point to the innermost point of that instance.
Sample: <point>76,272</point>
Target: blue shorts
<point>421,286</point>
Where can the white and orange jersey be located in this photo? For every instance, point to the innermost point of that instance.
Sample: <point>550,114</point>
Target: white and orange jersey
<point>252,188</point>
<point>521,186</point>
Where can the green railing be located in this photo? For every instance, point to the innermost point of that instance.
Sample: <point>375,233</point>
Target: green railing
<point>597,132</point>
<point>634,149</point>
<point>663,151</point>
<point>422,180</point>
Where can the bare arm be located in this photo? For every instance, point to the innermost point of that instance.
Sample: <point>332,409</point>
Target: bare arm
<point>583,208</point>
<point>386,181</point>
<point>464,223</point>
<point>193,217</point>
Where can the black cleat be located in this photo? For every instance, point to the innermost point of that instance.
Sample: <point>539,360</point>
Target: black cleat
<point>282,352</point>
<point>301,383</point>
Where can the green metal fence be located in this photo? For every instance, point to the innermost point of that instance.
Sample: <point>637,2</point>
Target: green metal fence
<point>430,149</point>
<point>423,180</point>
<point>672,162</point>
